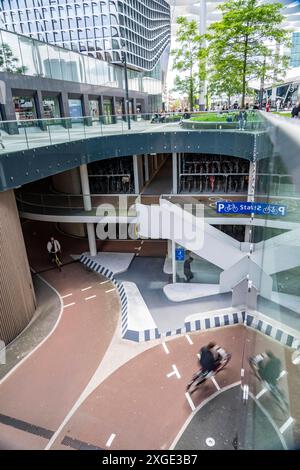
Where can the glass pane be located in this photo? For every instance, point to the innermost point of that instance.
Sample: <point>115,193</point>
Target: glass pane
<point>11,53</point>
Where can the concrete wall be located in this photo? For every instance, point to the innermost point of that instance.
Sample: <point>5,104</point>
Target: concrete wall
<point>17,298</point>
<point>67,182</point>
<point>77,230</point>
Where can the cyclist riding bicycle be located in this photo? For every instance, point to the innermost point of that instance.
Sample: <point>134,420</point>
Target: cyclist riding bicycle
<point>210,357</point>
<point>54,249</point>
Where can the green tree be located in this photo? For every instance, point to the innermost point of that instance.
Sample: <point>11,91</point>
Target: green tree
<point>223,80</point>
<point>183,86</point>
<point>8,62</point>
<point>246,39</point>
<point>188,57</point>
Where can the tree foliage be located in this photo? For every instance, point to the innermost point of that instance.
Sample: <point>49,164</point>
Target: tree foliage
<point>8,62</point>
<point>242,46</point>
<point>188,57</point>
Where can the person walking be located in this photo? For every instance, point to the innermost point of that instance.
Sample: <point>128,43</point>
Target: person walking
<point>278,104</point>
<point>296,110</point>
<point>242,119</point>
<point>187,269</point>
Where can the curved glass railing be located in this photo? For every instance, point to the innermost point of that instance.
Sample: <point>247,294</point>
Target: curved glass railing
<point>34,133</point>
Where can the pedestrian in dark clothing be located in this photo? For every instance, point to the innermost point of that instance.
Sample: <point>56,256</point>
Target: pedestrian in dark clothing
<point>296,110</point>
<point>186,114</point>
<point>187,269</point>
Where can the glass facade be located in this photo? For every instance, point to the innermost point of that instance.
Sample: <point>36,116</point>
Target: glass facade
<point>22,55</point>
<point>295,52</point>
<point>94,27</point>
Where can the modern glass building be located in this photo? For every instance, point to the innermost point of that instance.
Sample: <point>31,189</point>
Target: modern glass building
<point>295,51</point>
<point>97,28</point>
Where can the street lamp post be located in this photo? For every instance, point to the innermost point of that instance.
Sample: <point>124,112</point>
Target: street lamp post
<point>127,110</point>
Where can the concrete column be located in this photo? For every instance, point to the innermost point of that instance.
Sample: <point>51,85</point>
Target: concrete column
<point>17,297</point>
<point>85,186</point>
<point>174,261</point>
<point>39,108</point>
<point>88,121</point>
<point>169,248</point>
<point>114,107</point>
<point>92,239</point>
<point>87,201</point>
<point>146,163</point>
<point>175,174</point>
<point>136,174</point>
<point>64,109</point>
<point>203,27</point>
<point>64,105</point>
<point>101,105</point>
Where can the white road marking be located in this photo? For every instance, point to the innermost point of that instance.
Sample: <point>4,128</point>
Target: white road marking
<point>261,393</point>
<point>90,298</point>
<point>110,290</point>
<point>189,339</point>
<point>65,296</point>
<point>215,383</point>
<point>86,288</point>
<point>110,440</point>
<point>104,282</point>
<point>190,401</point>
<point>69,305</point>
<point>242,372</point>
<point>198,355</point>
<point>282,374</point>
<point>286,425</point>
<point>142,243</point>
<point>166,348</point>
<point>246,392</point>
<point>175,372</point>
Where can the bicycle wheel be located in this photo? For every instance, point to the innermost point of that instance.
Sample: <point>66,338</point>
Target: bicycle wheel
<point>224,363</point>
<point>58,263</point>
<point>197,380</point>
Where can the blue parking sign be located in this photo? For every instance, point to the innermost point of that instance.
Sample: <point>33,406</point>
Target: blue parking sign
<point>180,254</point>
<point>257,208</point>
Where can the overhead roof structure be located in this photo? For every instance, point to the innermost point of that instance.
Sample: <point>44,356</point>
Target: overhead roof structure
<point>191,8</point>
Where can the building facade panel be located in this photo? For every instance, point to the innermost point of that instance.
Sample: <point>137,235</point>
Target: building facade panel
<point>94,27</point>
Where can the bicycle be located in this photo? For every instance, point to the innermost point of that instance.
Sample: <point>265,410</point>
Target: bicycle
<point>231,208</point>
<point>56,259</point>
<point>270,210</point>
<point>201,376</point>
<point>273,389</point>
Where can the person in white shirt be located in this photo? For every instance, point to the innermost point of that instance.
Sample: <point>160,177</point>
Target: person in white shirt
<point>53,248</point>
<point>278,104</point>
